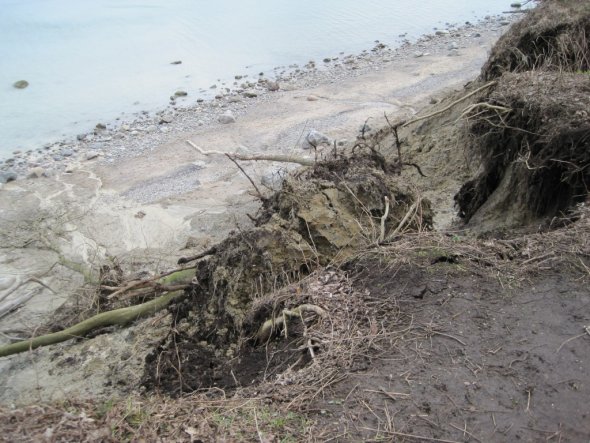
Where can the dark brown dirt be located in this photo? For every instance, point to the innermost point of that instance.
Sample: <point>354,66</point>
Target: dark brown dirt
<point>483,358</point>
<point>324,215</point>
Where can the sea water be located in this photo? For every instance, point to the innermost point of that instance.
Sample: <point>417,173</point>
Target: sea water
<point>90,61</point>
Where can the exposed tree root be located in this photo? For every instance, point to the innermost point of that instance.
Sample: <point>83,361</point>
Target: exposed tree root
<point>177,276</point>
<point>445,109</point>
<point>385,215</point>
<point>411,213</point>
<point>270,325</point>
<point>118,317</point>
<point>209,251</point>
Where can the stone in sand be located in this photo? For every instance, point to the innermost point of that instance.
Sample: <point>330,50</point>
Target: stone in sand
<point>176,62</point>
<point>315,139</point>
<point>180,93</point>
<point>7,176</point>
<point>312,98</point>
<point>272,86</point>
<point>226,118</point>
<point>166,118</point>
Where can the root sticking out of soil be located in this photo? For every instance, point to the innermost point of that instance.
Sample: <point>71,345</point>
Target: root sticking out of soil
<point>531,131</point>
<point>554,36</point>
<point>320,216</point>
<point>434,336</point>
<point>536,156</point>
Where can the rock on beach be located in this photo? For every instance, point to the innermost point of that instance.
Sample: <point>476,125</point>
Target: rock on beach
<point>315,139</point>
<point>21,84</point>
<point>226,118</point>
<point>7,176</point>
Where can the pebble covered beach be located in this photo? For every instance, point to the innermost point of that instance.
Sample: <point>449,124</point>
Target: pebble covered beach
<point>229,99</point>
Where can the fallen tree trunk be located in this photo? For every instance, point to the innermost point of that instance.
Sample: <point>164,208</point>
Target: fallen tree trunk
<point>118,317</point>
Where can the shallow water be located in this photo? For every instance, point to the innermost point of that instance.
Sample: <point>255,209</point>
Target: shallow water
<point>91,61</point>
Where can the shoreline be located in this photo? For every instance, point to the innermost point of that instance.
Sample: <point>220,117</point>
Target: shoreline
<point>145,131</point>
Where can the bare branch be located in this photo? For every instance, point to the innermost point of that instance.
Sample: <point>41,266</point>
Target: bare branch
<point>445,109</point>
<point>257,157</point>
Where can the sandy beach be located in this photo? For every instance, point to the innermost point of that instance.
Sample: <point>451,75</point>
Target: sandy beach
<point>136,193</point>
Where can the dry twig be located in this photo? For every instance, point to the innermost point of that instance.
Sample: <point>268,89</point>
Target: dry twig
<point>257,157</point>
<point>446,108</point>
<point>383,218</point>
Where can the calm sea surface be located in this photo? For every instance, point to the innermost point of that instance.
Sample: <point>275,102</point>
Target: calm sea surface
<point>89,61</point>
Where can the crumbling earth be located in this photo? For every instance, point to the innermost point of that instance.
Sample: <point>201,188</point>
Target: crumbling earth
<point>342,317</point>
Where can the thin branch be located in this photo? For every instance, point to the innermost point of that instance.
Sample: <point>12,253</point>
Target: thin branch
<point>257,157</point>
<point>398,144</point>
<point>445,109</point>
<point>260,196</point>
<point>497,108</point>
<point>417,168</point>
<point>411,212</point>
<point>210,251</point>
<point>385,214</point>
<point>586,332</point>
<point>149,282</point>
<point>418,437</point>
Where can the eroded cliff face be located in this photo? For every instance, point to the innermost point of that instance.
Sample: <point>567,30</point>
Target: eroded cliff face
<point>306,312</point>
<point>321,216</point>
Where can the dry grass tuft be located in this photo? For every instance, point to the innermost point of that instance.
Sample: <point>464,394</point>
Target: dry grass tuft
<point>554,36</point>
